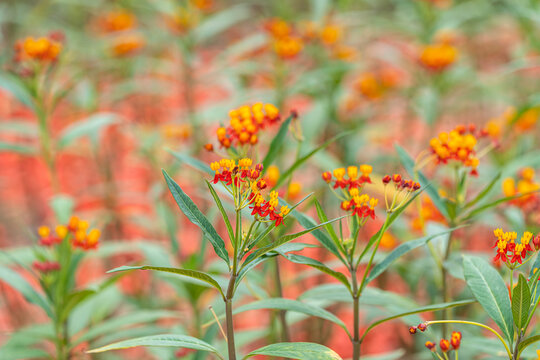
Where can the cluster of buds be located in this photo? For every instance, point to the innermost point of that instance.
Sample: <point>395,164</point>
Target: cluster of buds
<point>444,344</point>
<point>75,231</point>
<point>402,191</point>
<point>285,43</point>
<point>438,57</point>
<point>457,145</point>
<point>372,85</point>
<point>351,182</point>
<point>122,24</point>
<point>43,49</point>
<point>46,267</point>
<point>245,123</point>
<point>244,181</point>
<point>526,186</point>
<point>510,252</point>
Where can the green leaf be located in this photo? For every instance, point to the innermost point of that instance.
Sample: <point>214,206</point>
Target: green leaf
<point>484,192</point>
<point>282,240</point>
<point>191,161</point>
<point>73,300</point>
<point>297,350</point>
<point>304,158</point>
<point>217,200</point>
<point>400,251</point>
<point>292,305</point>
<point>480,209</point>
<point>526,343</point>
<point>217,23</point>
<point>89,126</point>
<point>277,143</point>
<point>17,148</point>
<point>521,303</point>
<point>428,308</point>
<point>300,259</point>
<point>320,235</point>
<point>190,273</point>
<point>17,282</point>
<point>408,164</point>
<point>194,215</point>
<point>119,322</point>
<point>16,87</point>
<point>489,289</point>
<point>167,340</point>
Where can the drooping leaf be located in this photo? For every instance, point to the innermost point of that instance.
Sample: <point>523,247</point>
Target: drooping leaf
<point>190,273</point>
<point>521,302</point>
<point>194,215</point>
<point>277,143</point>
<point>489,289</point>
<point>191,161</point>
<point>400,251</point>
<point>89,126</point>
<point>300,259</point>
<point>167,340</point>
<point>297,350</point>
<point>16,281</point>
<point>527,342</point>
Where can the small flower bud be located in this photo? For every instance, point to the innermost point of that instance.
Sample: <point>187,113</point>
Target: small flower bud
<point>396,178</point>
<point>422,327</point>
<point>536,242</point>
<point>412,330</point>
<point>386,179</point>
<point>455,340</point>
<point>327,176</point>
<point>444,345</point>
<point>430,345</point>
<point>209,147</point>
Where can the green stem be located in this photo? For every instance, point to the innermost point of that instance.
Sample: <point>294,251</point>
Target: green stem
<point>356,314</point>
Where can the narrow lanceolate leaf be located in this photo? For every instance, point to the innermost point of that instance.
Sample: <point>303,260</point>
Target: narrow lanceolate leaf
<point>166,340</point>
<point>528,342</point>
<point>428,308</point>
<point>190,273</point>
<point>297,350</point>
<point>191,161</point>
<point>15,86</point>
<point>277,143</point>
<point>480,209</point>
<point>17,148</point>
<point>87,127</point>
<point>489,289</point>
<point>400,251</point>
<point>217,200</point>
<point>521,303</point>
<point>194,215</point>
<point>300,259</point>
<point>482,194</point>
<point>17,282</point>
<point>408,164</point>
<point>304,158</point>
<point>282,240</point>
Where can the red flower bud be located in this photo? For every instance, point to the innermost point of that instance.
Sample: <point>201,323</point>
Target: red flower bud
<point>396,178</point>
<point>416,186</point>
<point>430,345</point>
<point>412,330</point>
<point>455,340</point>
<point>209,147</point>
<point>444,345</point>
<point>422,327</point>
<point>327,176</point>
<point>386,179</point>
<point>259,167</point>
<point>536,242</point>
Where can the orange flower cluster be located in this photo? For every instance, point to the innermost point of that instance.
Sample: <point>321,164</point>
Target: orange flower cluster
<point>331,36</point>
<point>527,186</point>
<point>438,57</point>
<point>458,145</point>
<point>444,344</point>
<point>509,252</point>
<point>511,120</point>
<point>76,231</point>
<point>120,20</point>
<point>351,182</point>
<point>127,44</point>
<point>286,44</point>
<point>428,212</point>
<point>245,123</point>
<point>41,49</point>
<point>246,180</point>
<point>373,85</point>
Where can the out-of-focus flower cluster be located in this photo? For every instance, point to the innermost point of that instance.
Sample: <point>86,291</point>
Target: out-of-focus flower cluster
<point>76,231</point>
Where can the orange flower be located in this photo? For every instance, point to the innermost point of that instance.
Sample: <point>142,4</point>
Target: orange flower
<point>120,20</point>
<point>330,34</point>
<point>294,190</point>
<point>127,44</point>
<point>41,49</point>
<point>278,28</point>
<point>177,131</point>
<point>438,57</point>
<point>288,47</point>
<point>75,231</point>
<point>525,185</point>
